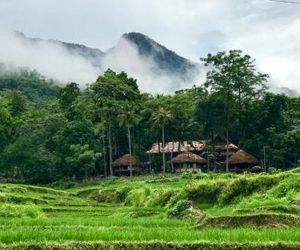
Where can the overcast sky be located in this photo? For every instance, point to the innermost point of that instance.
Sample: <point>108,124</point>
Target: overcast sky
<point>268,31</point>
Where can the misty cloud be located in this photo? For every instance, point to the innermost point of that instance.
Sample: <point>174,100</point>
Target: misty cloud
<point>125,57</point>
<point>53,60</point>
<point>49,59</point>
<point>267,30</point>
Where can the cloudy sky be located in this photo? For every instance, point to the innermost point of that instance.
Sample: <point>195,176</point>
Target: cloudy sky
<point>267,30</point>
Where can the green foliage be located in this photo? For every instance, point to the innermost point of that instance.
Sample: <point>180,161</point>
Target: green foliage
<point>286,188</point>
<point>205,191</point>
<point>180,209</point>
<point>50,134</point>
<point>30,83</point>
<point>82,159</point>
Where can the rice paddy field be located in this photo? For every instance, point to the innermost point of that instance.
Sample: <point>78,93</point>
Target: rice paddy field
<point>201,211</point>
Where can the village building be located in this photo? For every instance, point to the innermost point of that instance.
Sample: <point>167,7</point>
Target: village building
<point>243,161</point>
<point>188,162</point>
<point>121,166</point>
<point>177,147</point>
<point>214,153</point>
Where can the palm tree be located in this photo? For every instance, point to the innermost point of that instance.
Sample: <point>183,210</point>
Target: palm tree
<point>161,117</point>
<point>128,118</point>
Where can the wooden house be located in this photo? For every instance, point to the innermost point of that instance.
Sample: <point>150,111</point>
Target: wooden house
<point>243,161</point>
<point>121,166</point>
<point>188,162</point>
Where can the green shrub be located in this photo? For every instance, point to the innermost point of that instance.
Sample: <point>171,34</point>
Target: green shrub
<point>106,195</point>
<point>137,197</point>
<point>187,175</point>
<point>272,170</point>
<point>180,209</point>
<point>176,198</point>
<point>160,198</point>
<point>121,194</point>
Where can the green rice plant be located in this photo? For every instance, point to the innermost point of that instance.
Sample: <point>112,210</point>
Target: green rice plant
<point>159,198</point>
<point>141,210</point>
<point>13,189</point>
<point>24,199</point>
<point>11,211</point>
<point>243,186</point>
<point>205,191</point>
<point>251,221</point>
<point>180,209</point>
<point>288,187</point>
<point>14,235</point>
<point>137,197</point>
<point>122,193</point>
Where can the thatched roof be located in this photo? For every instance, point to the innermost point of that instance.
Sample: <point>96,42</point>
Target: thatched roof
<point>188,157</point>
<point>223,147</point>
<point>124,161</point>
<point>242,157</point>
<point>176,147</point>
<point>168,148</point>
<point>199,145</point>
<point>221,144</point>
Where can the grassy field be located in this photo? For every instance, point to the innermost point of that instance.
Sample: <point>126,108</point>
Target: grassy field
<point>206,211</point>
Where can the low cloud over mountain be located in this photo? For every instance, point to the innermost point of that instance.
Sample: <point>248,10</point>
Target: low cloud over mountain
<point>158,69</point>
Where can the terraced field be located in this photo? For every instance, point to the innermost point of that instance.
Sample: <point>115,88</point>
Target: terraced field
<point>207,211</point>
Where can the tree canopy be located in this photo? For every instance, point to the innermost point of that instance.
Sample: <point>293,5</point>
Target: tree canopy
<point>49,133</point>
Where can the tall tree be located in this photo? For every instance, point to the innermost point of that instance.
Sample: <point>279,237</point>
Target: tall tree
<point>210,113</point>
<point>129,118</point>
<point>161,117</point>
<point>111,91</point>
<point>234,78</point>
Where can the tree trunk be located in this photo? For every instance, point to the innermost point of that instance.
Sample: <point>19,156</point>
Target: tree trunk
<point>213,151</point>
<point>163,149</point>
<point>129,146</point>
<point>239,117</point>
<point>104,157</point>
<point>227,151</point>
<point>85,172</point>
<point>110,150</point>
<point>172,165</point>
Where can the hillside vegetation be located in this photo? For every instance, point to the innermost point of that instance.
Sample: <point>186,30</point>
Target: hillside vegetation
<point>49,134</point>
<point>155,212</point>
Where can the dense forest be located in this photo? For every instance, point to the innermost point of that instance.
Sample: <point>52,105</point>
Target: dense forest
<point>50,132</point>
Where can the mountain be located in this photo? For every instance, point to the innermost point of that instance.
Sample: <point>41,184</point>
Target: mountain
<point>93,55</point>
<point>165,59</point>
<point>137,54</point>
<point>157,68</point>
